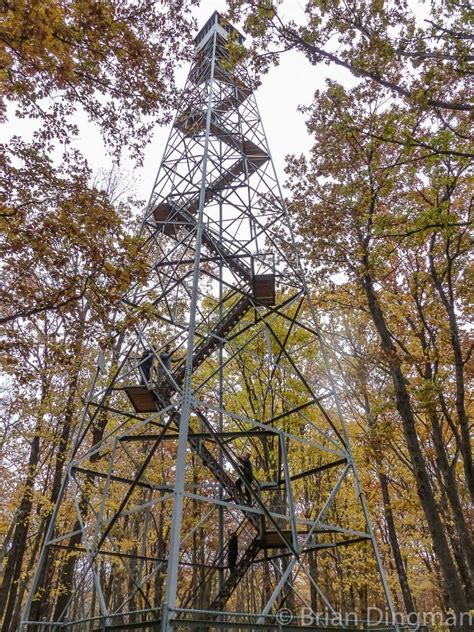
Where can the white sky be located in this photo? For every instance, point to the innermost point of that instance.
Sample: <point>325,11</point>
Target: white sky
<point>283,89</point>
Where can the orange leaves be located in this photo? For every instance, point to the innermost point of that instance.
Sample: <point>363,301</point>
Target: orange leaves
<point>109,60</point>
<point>63,239</point>
<point>113,60</point>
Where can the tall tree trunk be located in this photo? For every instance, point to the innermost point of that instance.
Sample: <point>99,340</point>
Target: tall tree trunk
<point>66,574</point>
<point>388,513</point>
<point>450,575</point>
<point>448,301</point>
<point>24,582</point>
<point>13,566</point>
<point>395,546</point>
<point>456,544</point>
<point>450,488</point>
<point>463,553</point>
<point>313,573</point>
<point>40,603</point>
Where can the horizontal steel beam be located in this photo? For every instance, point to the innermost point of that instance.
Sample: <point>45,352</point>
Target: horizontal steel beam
<point>203,435</point>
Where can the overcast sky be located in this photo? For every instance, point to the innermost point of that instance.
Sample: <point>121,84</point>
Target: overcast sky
<point>283,89</point>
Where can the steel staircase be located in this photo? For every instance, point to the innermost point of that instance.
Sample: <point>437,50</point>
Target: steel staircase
<point>236,575</point>
<point>170,217</point>
<point>212,340</point>
<point>183,217</point>
<point>230,487</point>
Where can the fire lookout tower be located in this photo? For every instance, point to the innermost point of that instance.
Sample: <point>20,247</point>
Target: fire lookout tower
<point>211,482</point>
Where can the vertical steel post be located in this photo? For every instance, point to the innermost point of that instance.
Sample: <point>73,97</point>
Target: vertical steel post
<point>221,406</point>
<point>187,401</point>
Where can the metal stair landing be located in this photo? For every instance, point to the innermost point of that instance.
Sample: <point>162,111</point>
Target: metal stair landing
<point>149,400</point>
<point>143,399</point>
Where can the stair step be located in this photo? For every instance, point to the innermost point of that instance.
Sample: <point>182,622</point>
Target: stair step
<point>205,349</point>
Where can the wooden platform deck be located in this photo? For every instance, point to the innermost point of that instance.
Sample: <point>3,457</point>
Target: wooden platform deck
<point>143,400</point>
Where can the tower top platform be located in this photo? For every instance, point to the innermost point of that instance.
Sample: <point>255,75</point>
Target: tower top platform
<point>217,23</point>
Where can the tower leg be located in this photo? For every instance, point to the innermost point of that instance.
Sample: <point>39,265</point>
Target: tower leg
<point>186,407</point>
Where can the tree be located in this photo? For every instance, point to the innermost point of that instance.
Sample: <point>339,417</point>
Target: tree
<point>420,56</point>
<point>112,62</point>
<point>372,210</point>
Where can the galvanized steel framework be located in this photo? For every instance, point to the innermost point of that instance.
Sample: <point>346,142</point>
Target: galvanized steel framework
<point>249,373</point>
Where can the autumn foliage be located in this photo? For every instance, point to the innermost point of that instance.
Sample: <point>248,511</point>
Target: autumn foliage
<point>382,207</point>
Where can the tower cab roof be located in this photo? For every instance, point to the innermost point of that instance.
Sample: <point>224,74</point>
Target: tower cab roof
<point>217,23</point>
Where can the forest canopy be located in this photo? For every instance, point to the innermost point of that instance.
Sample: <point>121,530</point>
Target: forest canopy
<point>381,207</point>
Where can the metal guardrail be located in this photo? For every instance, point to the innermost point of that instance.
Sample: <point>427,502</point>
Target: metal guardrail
<point>149,620</point>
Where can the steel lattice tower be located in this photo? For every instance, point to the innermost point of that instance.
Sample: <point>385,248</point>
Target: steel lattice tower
<point>157,478</point>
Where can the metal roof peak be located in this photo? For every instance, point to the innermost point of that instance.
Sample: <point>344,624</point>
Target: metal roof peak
<point>218,22</point>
